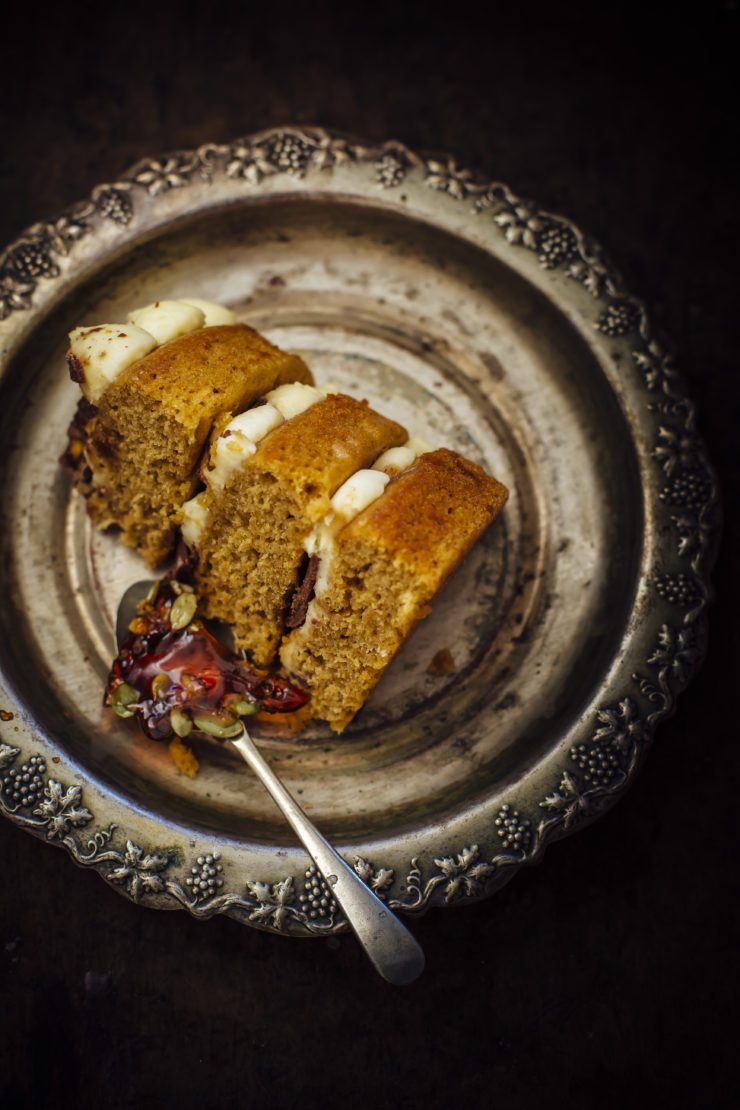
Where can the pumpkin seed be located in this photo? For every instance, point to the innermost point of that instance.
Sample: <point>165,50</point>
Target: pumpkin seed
<point>180,721</point>
<point>246,708</point>
<point>179,587</point>
<point>219,727</point>
<point>122,698</point>
<point>183,610</point>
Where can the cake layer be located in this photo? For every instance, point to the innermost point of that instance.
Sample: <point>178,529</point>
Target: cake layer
<point>197,377</point>
<point>153,421</point>
<point>315,453</point>
<point>251,530</point>
<point>379,575</point>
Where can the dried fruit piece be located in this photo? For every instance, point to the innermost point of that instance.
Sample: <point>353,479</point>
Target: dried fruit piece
<point>183,758</point>
<point>160,684</point>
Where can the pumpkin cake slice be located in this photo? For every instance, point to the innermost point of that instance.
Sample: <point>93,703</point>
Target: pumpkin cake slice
<point>379,568</point>
<point>270,477</point>
<point>153,388</point>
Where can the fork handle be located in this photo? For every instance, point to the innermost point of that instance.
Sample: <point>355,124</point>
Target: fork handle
<point>393,951</point>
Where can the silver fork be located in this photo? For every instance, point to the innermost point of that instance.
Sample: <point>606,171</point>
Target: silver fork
<point>393,951</point>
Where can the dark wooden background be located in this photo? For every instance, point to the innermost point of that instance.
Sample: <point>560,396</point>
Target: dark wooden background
<point>608,975</point>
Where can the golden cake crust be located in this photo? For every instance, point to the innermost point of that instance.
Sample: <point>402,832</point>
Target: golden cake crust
<point>315,452</point>
<point>430,514</point>
<point>153,420</point>
<point>208,371</point>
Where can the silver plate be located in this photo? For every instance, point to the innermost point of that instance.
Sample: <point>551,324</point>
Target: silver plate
<point>483,324</point>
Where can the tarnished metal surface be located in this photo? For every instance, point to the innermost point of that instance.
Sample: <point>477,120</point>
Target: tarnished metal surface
<point>482,324</point>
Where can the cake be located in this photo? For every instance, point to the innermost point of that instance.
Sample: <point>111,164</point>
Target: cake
<point>311,524</point>
<point>378,571</point>
<point>270,476</point>
<point>152,390</point>
<point>323,534</point>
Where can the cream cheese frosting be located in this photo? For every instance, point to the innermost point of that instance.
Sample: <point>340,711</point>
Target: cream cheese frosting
<point>356,494</point>
<point>103,352</point>
<point>294,398</point>
<point>216,315</point>
<point>238,441</point>
<point>396,459</point>
<point>194,516</point>
<point>167,320</point>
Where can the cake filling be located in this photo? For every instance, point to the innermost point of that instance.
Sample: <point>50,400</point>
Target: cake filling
<point>304,594</point>
<point>74,458</point>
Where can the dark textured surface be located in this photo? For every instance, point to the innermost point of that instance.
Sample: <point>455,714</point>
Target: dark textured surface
<point>608,975</point>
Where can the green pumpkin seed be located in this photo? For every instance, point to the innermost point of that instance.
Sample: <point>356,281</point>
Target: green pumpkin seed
<point>246,708</point>
<point>181,724</point>
<point>213,726</point>
<point>183,610</point>
<point>178,587</point>
<point>122,698</point>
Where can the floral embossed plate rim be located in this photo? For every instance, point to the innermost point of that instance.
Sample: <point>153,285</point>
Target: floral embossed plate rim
<point>53,797</point>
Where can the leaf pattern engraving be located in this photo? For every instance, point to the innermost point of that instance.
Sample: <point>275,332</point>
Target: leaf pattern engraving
<point>15,294</point>
<point>567,801</point>
<point>273,902</point>
<point>61,810</point>
<point>140,872</point>
<point>8,754</point>
<point>379,880</point>
<point>464,874</point>
<point>168,173</point>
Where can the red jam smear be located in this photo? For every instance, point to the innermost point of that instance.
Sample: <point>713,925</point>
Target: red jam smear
<point>204,677</point>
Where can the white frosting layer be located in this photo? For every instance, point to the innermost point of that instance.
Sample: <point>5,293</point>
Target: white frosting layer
<point>359,491</point>
<point>239,440</point>
<point>105,351</point>
<point>194,516</point>
<point>167,320</point>
<point>398,458</point>
<point>215,314</point>
<point>294,398</point>
<point>254,424</point>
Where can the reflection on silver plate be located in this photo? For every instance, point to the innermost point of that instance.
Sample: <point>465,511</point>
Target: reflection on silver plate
<point>482,324</point>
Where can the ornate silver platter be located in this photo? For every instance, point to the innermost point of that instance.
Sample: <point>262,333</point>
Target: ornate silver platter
<point>522,708</point>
